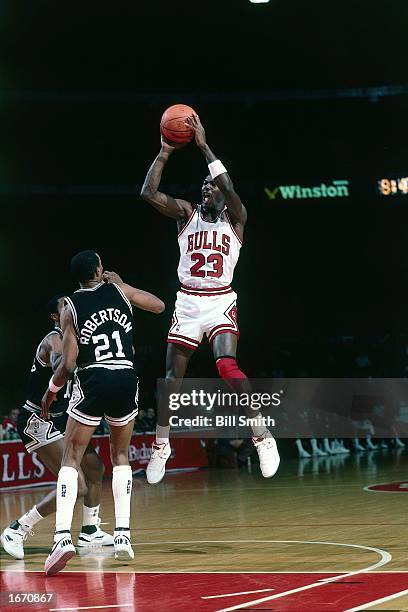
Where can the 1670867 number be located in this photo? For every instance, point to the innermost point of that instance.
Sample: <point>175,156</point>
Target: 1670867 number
<point>17,598</point>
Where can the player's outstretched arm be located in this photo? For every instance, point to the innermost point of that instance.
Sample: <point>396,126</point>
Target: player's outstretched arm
<point>171,207</point>
<point>143,299</point>
<point>137,297</point>
<point>67,363</point>
<point>223,181</point>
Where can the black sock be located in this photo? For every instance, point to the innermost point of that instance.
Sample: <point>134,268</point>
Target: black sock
<point>15,525</point>
<point>89,529</point>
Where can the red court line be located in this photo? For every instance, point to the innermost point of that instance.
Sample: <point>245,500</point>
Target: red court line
<point>184,592</point>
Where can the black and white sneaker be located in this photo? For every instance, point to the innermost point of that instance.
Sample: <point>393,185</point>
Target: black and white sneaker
<point>13,538</point>
<point>62,551</point>
<point>123,545</point>
<point>92,535</point>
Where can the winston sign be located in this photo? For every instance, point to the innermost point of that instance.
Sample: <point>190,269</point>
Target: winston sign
<point>336,189</point>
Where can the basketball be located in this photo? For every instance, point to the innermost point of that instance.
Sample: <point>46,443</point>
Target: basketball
<point>172,124</point>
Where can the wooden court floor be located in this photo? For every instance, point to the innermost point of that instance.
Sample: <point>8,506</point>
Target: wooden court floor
<point>314,521</point>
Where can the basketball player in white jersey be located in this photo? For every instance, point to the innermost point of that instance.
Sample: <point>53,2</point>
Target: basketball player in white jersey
<point>210,237</point>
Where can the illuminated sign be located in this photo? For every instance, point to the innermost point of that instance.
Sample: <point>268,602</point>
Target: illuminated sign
<point>393,186</point>
<point>336,189</point>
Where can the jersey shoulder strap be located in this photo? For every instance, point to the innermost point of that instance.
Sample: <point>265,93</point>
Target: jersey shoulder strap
<point>125,299</point>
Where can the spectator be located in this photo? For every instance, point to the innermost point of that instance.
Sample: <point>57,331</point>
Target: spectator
<point>9,424</point>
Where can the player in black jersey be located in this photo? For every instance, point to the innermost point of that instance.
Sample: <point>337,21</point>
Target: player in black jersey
<point>45,438</point>
<point>97,324</point>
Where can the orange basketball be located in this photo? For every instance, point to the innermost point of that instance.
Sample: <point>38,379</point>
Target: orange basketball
<point>172,124</point>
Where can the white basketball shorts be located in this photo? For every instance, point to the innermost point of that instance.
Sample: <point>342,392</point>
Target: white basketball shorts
<point>196,315</point>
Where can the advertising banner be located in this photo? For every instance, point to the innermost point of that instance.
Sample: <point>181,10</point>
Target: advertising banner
<point>19,469</point>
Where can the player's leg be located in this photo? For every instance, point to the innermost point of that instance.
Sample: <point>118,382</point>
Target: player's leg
<point>35,434</point>
<point>89,488</point>
<point>224,346</point>
<point>93,470</point>
<point>76,439</point>
<point>177,359</point>
<point>121,487</point>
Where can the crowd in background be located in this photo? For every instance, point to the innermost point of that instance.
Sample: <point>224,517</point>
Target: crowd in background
<point>345,356</point>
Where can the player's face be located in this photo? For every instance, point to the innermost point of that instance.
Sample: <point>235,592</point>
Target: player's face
<point>211,195</point>
<point>14,414</point>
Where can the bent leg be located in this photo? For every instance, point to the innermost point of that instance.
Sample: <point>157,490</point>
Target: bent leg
<point>51,456</point>
<point>225,350</point>
<point>177,359</point>
<point>76,439</point>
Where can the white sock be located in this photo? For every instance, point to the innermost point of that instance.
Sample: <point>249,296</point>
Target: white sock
<point>30,518</point>
<point>67,490</point>
<point>90,516</point>
<point>162,434</point>
<point>122,491</point>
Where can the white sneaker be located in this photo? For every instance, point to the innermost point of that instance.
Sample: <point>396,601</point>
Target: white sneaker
<point>62,551</point>
<point>157,464</point>
<point>123,545</point>
<point>317,452</point>
<point>98,538</point>
<point>13,538</point>
<point>343,449</point>
<point>268,456</point>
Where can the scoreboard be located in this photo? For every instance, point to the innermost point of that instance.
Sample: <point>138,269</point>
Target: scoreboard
<point>393,186</point>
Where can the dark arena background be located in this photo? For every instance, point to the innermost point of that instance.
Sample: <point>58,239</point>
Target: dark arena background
<point>306,104</point>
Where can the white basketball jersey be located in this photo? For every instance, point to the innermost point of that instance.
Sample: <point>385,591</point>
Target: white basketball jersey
<point>209,252</point>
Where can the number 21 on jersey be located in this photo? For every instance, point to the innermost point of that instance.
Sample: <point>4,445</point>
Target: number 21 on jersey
<point>104,347</point>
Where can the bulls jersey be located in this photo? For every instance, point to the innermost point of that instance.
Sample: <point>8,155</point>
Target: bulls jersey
<point>209,251</point>
<point>103,322</point>
<point>38,380</point>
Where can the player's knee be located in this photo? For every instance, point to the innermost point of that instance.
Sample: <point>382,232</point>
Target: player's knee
<point>119,456</point>
<point>229,369</point>
<point>172,375</point>
<point>73,453</point>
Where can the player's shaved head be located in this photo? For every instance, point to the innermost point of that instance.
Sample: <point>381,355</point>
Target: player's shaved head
<point>83,266</point>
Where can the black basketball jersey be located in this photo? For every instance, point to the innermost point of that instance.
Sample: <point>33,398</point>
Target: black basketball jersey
<point>103,321</point>
<point>38,380</point>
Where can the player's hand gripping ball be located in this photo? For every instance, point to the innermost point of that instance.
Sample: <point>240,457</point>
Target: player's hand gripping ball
<point>173,124</point>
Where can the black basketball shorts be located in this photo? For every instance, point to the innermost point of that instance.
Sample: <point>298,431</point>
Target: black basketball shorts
<point>36,432</point>
<point>100,392</point>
